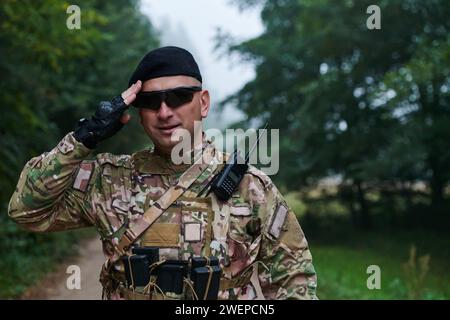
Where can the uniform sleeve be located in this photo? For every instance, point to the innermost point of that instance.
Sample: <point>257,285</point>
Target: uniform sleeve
<point>286,271</point>
<point>51,194</point>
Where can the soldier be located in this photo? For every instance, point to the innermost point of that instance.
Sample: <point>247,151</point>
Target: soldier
<point>145,200</point>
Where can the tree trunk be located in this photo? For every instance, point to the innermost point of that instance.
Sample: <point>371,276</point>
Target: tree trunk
<point>434,150</point>
<point>353,214</point>
<point>388,200</point>
<point>347,196</point>
<point>365,219</point>
<point>437,190</point>
<point>437,183</point>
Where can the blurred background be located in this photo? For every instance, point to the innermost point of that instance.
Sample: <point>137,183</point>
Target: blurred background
<point>364,120</point>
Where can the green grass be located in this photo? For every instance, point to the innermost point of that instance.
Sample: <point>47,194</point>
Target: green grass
<point>341,253</point>
<point>341,267</point>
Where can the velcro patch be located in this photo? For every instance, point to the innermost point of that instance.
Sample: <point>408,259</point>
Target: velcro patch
<point>192,231</point>
<point>278,221</point>
<point>65,146</point>
<point>83,176</point>
<point>162,235</point>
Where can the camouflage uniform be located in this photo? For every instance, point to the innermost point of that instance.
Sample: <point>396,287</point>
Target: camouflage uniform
<point>255,229</point>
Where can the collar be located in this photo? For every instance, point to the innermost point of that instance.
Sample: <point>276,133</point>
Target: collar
<point>151,162</point>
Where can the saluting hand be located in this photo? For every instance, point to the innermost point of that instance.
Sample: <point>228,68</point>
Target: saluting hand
<point>108,119</point>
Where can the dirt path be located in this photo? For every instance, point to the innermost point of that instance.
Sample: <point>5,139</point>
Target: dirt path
<point>53,286</point>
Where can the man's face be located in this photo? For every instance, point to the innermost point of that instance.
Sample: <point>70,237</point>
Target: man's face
<point>160,124</point>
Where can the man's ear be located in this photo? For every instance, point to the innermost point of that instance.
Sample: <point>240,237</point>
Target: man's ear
<point>204,103</point>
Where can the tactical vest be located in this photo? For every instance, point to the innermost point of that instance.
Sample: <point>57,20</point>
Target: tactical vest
<point>192,227</point>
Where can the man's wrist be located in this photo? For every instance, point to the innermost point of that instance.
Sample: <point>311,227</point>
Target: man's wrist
<point>82,135</point>
<point>80,145</point>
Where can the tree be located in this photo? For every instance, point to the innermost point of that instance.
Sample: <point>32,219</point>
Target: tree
<point>338,88</point>
<point>52,76</point>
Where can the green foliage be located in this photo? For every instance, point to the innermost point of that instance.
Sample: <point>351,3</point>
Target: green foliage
<point>50,77</point>
<point>296,204</point>
<point>369,106</point>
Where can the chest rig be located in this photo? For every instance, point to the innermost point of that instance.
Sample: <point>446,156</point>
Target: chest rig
<point>178,249</point>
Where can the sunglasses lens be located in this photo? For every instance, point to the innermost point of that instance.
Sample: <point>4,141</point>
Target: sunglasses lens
<point>148,101</point>
<point>178,97</point>
<point>174,98</point>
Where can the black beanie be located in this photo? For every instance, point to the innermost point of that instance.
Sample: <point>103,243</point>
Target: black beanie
<point>166,61</point>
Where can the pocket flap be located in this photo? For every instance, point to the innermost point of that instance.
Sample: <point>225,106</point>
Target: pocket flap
<point>162,235</point>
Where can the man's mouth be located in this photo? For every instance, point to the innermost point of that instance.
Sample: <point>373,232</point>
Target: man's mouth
<point>168,129</point>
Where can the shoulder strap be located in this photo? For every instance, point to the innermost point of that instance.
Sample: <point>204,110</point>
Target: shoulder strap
<point>135,230</point>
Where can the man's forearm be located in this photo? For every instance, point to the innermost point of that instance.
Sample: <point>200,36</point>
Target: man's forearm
<point>39,193</point>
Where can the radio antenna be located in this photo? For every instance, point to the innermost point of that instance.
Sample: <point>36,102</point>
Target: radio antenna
<point>247,157</point>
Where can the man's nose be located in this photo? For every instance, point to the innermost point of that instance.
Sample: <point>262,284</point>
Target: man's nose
<point>164,111</point>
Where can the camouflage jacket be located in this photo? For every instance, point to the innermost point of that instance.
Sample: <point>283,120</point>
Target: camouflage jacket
<point>67,188</point>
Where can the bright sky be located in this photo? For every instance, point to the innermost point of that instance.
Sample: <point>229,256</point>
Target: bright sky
<point>192,25</point>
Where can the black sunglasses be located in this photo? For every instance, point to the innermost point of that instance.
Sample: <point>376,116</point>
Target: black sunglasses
<point>174,97</point>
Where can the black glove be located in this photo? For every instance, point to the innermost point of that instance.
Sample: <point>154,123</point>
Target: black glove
<point>103,124</point>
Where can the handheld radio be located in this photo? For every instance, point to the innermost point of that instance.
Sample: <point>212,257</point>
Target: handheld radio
<point>225,182</point>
